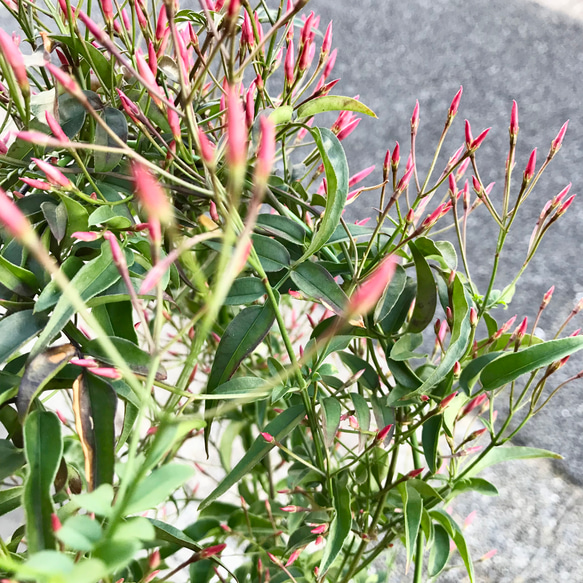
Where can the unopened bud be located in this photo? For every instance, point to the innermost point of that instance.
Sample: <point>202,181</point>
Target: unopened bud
<point>455,104</point>
<point>514,120</point>
<point>268,437</point>
<point>415,119</point>
<point>530,167</point>
<point>547,298</point>
<point>558,141</point>
<point>445,402</point>
<point>382,433</point>
<point>473,317</point>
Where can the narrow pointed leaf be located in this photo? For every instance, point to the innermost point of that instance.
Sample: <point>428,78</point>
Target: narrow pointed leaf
<point>426,297</point>
<point>316,282</point>
<point>116,121</point>
<point>17,329</point>
<point>412,510</point>
<point>336,167</point>
<point>391,294</point>
<point>439,553</point>
<point>332,103</point>
<point>332,411</point>
<point>43,447</point>
<point>430,439</point>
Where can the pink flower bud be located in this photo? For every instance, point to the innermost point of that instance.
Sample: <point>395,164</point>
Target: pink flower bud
<point>404,182</point>
<point>161,22</point>
<point>53,174</point>
<point>371,289</point>
<point>455,103</point>
<point>488,555</point>
<point>107,10</point>
<point>55,127</point>
<point>474,403</point>
<point>520,331</point>
<point>514,120</point>
<point>289,65</point>
<point>457,368</point>
<point>476,434</point>
<point>359,176</point>
<point>213,212</point>
<point>292,508</point>
<point>207,149</point>
<point>154,559</point>
<point>563,208</point>
<point>212,551</point>
<point>151,195</point>
<point>116,252</point>
<point>129,106</point>
<point>478,141</point>
<point>85,235</point>
<point>265,151</point>
<point>293,557</point>
<point>34,183</point>
<point>15,59</point>
<point>348,129</point>
<point>236,131</point>
<point>396,156</point>
<point>330,64</point>
<point>320,529</point>
<point>382,433</point>
<point>452,184</point>
<point>415,118</point>
<point>55,523</point>
<point>63,78</point>
<point>462,169</point>
<point>386,164</point>
<point>268,437</point>
<point>558,141</point>
<point>327,42</point>
<point>445,402</point>
<point>274,559</point>
<point>504,328</point>
<point>469,137</point>
<point>174,123</point>
<point>473,317</point>
<point>415,473</point>
<point>84,362</point>
<point>530,167</point>
<point>106,372</point>
<point>547,298</point>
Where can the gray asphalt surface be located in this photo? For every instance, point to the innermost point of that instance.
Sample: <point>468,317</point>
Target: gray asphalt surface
<point>392,53</point>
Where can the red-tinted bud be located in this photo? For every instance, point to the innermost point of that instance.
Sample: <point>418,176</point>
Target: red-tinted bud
<point>382,433</point>
<point>415,118</point>
<point>396,157</point>
<point>530,167</point>
<point>547,298</point>
<point>455,104</point>
<point>514,120</point>
<point>469,137</point>
<point>558,141</point>
<point>445,402</point>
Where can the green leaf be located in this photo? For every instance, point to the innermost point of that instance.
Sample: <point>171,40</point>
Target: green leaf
<point>116,121</point>
<point>442,251</point>
<point>455,533</point>
<point>282,227</point>
<point>114,217</point>
<point>17,329</point>
<point>240,387</point>
<point>475,485</point>
<point>72,115</point>
<point>137,528</point>
<point>116,554</point>
<point>503,454</point>
<point>10,499</point>
<point>362,412</point>
<point>471,372</point>
<point>11,459</point>
<point>99,63</point>
<point>340,525</point>
<point>281,114</point>
<point>396,317</point>
<point>332,411</point>
<point>172,535</point>
<point>94,277</point>
<point>245,332</point>
<point>336,167</point>
<point>156,487</point>
<point>116,319</point>
<point>439,553</point>
<point>332,103</point>
<point>50,295</point>
<point>56,216</point>
<point>43,447</point>
<point>430,438</point>
<point>405,345</point>
<point>99,501</point>
<point>391,294</point>
<point>94,404</point>
<point>280,427</point>
<point>80,533</point>
<point>244,291</point>
<point>316,282</point>
<point>17,279</point>
<point>38,372</point>
<point>412,510</point>
<point>426,297</point>
<point>460,336</point>
<point>272,254</point>
<point>509,367</point>
<point>369,378</point>
<point>77,218</point>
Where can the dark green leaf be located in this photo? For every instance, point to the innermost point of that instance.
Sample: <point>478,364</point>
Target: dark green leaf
<point>11,459</point>
<point>116,319</point>
<point>43,446</point>
<point>426,297</point>
<point>240,387</point>
<point>50,295</point>
<point>336,167</point>
<point>39,371</point>
<point>282,227</point>
<point>332,103</point>
<point>475,485</point>
<point>10,499</point>
<point>397,315</point>
<point>442,251</point>
<point>17,279</point>
<point>244,291</point>
<point>280,427</point>
<point>369,379</point>
<point>473,369</point>
<point>391,294</point>
<point>72,115</point>
<point>404,347</point>
<point>56,216</point>
<point>439,554</point>
<point>245,332</point>
<point>94,277</point>
<point>94,404</point>
<point>340,525</point>
<point>116,121</point>
<point>16,330</point>
<point>272,254</point>
<point>77,218</point>
<point>315,281</point>
<point>115,217</point>
<point>412,510</point>
<point>509,367</point>
<point>362,412</point>
<point>430,439</point>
